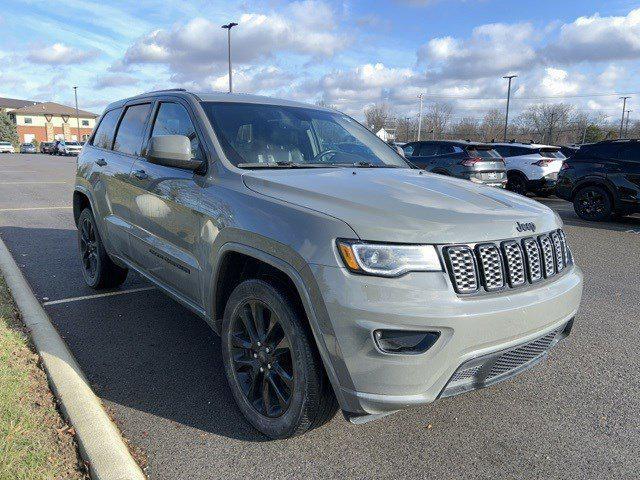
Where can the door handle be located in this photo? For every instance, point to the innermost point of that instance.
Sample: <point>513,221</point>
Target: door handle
<point>101,161</point>
<point>140,174</point>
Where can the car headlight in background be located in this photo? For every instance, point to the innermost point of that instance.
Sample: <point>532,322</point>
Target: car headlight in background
<point>388,260</point>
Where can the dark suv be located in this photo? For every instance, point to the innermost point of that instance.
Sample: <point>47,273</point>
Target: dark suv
<point>477,162</point>
<point>602,179</point>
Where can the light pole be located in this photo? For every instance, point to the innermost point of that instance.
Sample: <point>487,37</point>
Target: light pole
<point>624,107</point>
<point>228,27</point>
<point>626,126</point>
<point>506,117</point>
<point>420,96</point>
<point>75,93</point>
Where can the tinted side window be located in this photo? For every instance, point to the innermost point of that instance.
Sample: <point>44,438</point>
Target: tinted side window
<point>131,129</point>
<point>173,119</point>
<point>445,149</point>
<point>630,152</point>
<point>502,150</point>
<point>604,150</point>
<point>428,150</point>
<point>103,137</point>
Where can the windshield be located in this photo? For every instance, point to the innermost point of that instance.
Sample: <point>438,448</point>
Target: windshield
<point>551,153</point>
<point>72,143</point>
<point>5,143</point>
<point>264,136</point>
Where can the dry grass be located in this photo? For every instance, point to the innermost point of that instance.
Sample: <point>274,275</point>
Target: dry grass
<point>35,443</point>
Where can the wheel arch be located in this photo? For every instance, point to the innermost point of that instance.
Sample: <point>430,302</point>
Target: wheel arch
<point>596,182</point>
<point>301,284</point>
<point>81,200</point>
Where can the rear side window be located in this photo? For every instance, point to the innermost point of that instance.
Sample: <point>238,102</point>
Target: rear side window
<point>173,119</point>
<point>488,153</point>
<point>103,137</point>
<point>131,129</point>
<point>630,152</point>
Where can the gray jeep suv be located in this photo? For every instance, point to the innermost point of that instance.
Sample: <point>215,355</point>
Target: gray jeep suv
<point>336,275</point>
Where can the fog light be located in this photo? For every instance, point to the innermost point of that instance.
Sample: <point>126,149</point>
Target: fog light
<point>403,341</point>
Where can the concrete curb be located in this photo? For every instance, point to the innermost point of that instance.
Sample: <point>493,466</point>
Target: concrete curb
<point>100,442</point>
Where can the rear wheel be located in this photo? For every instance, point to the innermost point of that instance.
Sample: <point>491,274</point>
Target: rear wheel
<point>273,369</point>
<point>593,203</point>
<point>98,269</point>
<point>517,183</point>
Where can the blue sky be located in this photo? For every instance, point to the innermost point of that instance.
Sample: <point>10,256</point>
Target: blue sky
<point>349,54</point>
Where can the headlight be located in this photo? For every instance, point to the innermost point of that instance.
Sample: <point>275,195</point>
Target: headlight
<point>388,260</point>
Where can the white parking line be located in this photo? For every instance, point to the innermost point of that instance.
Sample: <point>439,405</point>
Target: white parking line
<point>18,171</point>
<point>21,209</point>
<point>98,295</point>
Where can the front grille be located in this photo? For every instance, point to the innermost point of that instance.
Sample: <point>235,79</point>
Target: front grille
<point>494,266</point>
<point>517,357</point>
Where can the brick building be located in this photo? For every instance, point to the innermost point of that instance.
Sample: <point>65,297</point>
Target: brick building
<point>48,121</point>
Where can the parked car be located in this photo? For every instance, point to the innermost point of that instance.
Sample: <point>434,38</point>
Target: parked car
<point>531,168</point>
<point>477,162</point>
<point>7,147</point>
<point>47,147</point>
<point>68,148</point>
<point>334,278</point>
<point>28,148</point>
<point>602,179</point>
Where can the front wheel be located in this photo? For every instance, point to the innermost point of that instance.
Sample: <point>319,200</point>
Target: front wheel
<point>273,369</point>
<point>98,269</point>
<point>593,203</point>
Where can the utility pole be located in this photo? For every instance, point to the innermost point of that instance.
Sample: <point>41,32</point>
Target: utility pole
<point>420,96</point>
<point>75,93</point>
<point>506,117</point>
<point>626,127</point>
<point>624,107</point>
<point>228,27</point>
<point>550,139</point>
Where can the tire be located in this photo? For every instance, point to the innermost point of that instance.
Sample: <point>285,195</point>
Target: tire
<point>517,183</point>
<point>593,203</point>
<point>282,347</point>
<point>98,269</point>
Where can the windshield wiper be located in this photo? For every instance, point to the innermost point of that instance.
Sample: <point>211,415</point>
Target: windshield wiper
<point>365,164</point>
<point>279,164</point>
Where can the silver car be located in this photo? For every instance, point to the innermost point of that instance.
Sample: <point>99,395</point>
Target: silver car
<point>336,275</point>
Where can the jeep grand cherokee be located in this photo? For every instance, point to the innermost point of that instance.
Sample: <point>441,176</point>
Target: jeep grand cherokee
<point>336,275</point>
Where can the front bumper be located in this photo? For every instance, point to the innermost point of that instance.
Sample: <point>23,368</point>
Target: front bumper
<point>470,329</point>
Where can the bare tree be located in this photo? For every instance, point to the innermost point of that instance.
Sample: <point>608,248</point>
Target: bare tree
<point>467,128</point>
<point>547,121</point>
<point>406,129</point>
<point>377,116</point>
<point>437,118</point>
<point>492,125</point>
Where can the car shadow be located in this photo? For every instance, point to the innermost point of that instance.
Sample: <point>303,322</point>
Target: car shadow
<point>140,350</point>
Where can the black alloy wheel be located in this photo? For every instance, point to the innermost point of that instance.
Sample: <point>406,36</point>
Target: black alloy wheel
<point>517,184</point>
<point>262,358</point>
<point>593,203</point>
<point>88,247</point>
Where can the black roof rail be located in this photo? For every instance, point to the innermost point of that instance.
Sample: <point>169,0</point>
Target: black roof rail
<point>167,90</point>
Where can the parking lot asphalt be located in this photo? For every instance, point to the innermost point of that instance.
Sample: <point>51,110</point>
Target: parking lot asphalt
<point>158,369</point>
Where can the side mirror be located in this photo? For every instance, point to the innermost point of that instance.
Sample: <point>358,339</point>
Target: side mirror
<point>400,151</point>
<point>172,151</point>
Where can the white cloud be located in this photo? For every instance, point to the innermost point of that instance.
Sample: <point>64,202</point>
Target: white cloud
<point>199,46</point>
<point>598,38</point>
<point>492,49</point>
<point>116,80</point>
<point>60,54</point>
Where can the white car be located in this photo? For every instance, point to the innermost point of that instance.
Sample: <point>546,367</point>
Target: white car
<point>531,167</point>
<point>6,147</point>
<point>69,148</point>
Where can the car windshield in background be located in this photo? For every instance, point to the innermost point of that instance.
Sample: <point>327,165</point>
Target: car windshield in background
<point>73,144</point>
<point>4,144</point>
<point>272,136</point>
<point>483,152</point>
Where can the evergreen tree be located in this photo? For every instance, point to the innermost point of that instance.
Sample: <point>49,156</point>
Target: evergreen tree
<point>8,131</point>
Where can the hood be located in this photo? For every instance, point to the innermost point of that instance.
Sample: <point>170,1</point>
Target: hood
<point>402,205</point>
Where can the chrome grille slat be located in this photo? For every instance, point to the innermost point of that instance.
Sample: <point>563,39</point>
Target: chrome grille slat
<point>547,256</point>
<point>509,264</point>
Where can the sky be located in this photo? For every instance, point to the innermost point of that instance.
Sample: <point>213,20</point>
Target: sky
<point>348,54</point>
